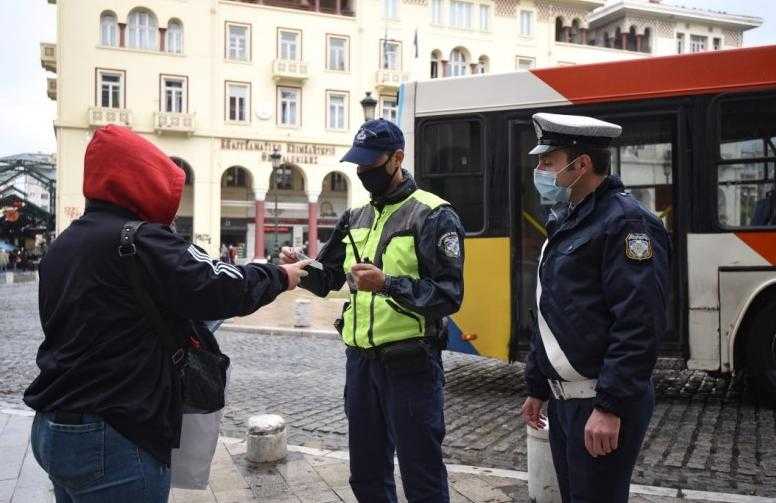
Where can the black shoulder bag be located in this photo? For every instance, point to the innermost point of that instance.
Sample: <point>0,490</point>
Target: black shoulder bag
<point>196,358</point>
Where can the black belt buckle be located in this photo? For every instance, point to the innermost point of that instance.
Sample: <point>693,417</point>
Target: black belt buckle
<point>62,417</point>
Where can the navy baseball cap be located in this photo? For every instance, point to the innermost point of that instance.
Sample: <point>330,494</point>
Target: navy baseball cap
<point>373,139</point>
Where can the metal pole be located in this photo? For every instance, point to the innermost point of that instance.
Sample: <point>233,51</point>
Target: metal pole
<point>275,179</point>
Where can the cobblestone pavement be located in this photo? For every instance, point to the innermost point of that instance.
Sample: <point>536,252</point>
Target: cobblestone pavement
<point>704,434</point>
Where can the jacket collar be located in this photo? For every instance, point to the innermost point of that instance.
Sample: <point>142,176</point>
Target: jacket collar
<point>97,206</point>
<point>570,218</point>
<point>399,194</point>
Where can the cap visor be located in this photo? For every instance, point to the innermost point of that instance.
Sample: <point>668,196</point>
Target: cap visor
<point>362,156</point>
<point>542,149</point>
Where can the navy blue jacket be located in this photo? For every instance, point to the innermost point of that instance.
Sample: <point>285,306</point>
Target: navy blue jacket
<point>605,300</point>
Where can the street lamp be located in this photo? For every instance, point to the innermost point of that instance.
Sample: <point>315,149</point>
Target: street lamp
<point>275,157</point>
<point>369,105</point>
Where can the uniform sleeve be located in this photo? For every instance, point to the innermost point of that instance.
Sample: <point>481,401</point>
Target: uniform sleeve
<point>439,291</point>
<point>331,256</point>
<point>535,381</point>
<point>635,280</point>
<point>187,281</point>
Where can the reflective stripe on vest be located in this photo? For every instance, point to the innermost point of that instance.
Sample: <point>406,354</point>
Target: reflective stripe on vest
<point>387,239</point>
<point>555,354</point>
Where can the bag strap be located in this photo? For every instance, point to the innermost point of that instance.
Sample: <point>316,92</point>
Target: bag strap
<point>128,253</point>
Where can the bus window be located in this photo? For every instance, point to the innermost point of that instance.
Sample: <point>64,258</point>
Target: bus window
<point>451,167</point>
<point>746,169</point>
<point>643,159</point>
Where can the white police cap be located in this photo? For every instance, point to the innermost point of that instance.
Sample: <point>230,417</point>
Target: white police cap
<point>556,131</point>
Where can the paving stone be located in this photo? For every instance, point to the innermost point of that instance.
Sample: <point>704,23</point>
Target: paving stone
<point>704,433</point>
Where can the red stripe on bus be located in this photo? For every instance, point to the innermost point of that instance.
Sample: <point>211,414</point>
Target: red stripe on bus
<point>702,73</point>
<point>763,243</point>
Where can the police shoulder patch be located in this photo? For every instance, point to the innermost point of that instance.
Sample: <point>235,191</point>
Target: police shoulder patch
<point>638,246</point>
<point>449,244</point>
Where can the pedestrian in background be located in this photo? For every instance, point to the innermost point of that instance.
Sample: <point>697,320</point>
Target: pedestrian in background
<point>3,260</point>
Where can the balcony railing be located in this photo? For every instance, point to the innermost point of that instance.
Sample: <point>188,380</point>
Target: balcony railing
<point>101,116</point>
<point>336,7</point>
<point>48,56</point>
<point>174,122</point>
<point>289,70</point>
<point>389,80</point>
<point>51,88</point>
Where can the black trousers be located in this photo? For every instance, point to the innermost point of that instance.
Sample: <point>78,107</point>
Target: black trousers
<point>396,411</point>
<point>605,479</point>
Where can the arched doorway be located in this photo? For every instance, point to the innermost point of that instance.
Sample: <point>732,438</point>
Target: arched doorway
<point>286,209</point>
<point>332,203</point>
<point>237,206</point>
<point>184,219</point>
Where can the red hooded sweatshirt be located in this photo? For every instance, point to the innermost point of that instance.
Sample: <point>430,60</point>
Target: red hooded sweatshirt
<point>122,168</point>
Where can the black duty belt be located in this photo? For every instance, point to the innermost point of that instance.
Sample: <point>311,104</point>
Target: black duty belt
<point>375,352</point>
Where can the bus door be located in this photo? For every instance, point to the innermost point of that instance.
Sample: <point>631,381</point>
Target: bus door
<point>644,157</point>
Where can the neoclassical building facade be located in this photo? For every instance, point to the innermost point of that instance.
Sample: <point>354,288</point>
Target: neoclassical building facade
<point>222,86</point>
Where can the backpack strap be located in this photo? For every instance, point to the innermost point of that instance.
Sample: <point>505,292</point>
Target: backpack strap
<point>128,253</point>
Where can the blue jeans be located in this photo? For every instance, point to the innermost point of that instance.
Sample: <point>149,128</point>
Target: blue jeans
<point>605,479</point>
<point>401,411</point>
<point>92,463</point>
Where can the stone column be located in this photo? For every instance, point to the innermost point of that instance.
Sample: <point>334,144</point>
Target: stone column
<point>638,42</point>
<point>624,41</point>
<point>312,225</point>
<point>258,250</point>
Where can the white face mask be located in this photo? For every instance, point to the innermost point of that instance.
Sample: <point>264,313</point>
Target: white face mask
<point>546,182</point>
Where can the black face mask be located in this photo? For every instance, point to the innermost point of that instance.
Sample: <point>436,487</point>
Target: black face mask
<point>377,180</point>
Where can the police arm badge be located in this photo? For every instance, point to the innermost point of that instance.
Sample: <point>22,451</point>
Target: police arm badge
<point>450,245</point>
<point>638,246</point>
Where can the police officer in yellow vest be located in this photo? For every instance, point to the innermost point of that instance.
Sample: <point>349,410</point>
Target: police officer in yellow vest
<point>402,256</point>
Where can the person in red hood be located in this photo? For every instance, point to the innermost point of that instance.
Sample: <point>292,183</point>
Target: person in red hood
<point>108,403</point>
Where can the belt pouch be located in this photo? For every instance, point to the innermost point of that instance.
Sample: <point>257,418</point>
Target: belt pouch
<point>405,356</point>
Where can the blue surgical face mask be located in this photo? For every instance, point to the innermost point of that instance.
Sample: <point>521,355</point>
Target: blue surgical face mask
<point>546,183</point>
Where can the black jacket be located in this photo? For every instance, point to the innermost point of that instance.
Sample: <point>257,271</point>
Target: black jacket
<point>606,305</point>
<point>100,355</point>
<point>438,292</point>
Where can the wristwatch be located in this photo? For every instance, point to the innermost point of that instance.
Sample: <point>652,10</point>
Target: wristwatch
<point>384,291</point>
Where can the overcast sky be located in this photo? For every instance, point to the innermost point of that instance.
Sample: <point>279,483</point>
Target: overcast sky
<point>26,113</point>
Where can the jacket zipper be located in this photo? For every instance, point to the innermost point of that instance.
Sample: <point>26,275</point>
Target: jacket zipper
<point>399,310</point>
<point>370,333</point>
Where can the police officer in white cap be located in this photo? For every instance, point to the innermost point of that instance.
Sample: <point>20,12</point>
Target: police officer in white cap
<point>602,303</point>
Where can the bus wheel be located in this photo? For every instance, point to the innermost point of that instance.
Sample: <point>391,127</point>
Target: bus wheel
<point>761,353</point>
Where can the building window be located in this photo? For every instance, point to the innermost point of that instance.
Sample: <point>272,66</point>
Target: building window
<point>235,177</point>
<point>680,43</point>
<point>391,55</point>
<point>484,18</point>
<point>526,23</point>
<point>391,9</point>
<point>238,102</point>
<point>389,108</point>
<point>337,53</point>
<point>288,45</point>
<point>110,89</point>
<point>284,178</point>
<point>288,106</point>
<point>238,42</point>
<point>109,30</point>
<point>698,43</point>
<point>174,37</point>
<point>436,64</point>
<point>437,12</point>
<point>142,30</point>
<point>460,14</point>
<point>338,182</point>
<point>717,44</point>
<point>525,63</point>
<point>174,90</point>
<point>337,110</point>
<point>458,63</point>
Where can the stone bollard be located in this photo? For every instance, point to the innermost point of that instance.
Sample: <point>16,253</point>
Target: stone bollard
<point>542,480</point>
<point>267,438</point>
<point>9,277</point>
<point>302,313</point>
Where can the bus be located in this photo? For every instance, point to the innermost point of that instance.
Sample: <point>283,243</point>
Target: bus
<point>698,149</point>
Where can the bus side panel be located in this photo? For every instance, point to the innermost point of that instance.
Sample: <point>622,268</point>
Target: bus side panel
<point>483,324</point>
